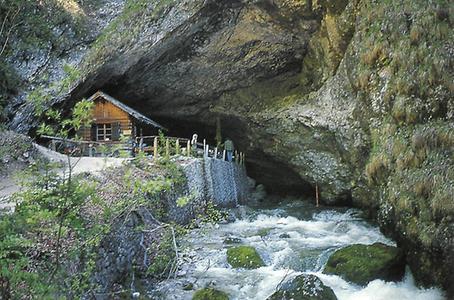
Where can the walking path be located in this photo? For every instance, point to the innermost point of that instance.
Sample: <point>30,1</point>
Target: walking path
<point>92,165</point>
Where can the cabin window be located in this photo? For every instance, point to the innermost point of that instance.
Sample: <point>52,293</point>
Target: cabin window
<point>104,132</point>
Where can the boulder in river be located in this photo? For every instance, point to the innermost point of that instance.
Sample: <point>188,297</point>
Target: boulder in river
<point>361,264</point>
<point>244,257</point>
<point>209,294</point>
<point>304,287</point>
<point>232,240</point>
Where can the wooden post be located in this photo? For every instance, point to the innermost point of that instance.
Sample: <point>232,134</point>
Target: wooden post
<point>177,147</point>
<point>223,155</point>
<point>188,148</point>
<point>155,148</point>
<point>207,151</point>
<point>54,147</point>
<point>141,144</point>
<point>167,148</point>
<point>316,195</point>
<point>215,152</point>
<point>90,153</point>
<point>236,156</point>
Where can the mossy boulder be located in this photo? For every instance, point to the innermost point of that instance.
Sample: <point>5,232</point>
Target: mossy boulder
<point>361,264</point>
<point>244,257</point>
<point>304,287</point>
<point>209,294</point>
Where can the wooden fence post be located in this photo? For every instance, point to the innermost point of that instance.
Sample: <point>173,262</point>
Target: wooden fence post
<point>155,147</point>
<point>223,154</point>
<point>167,148</point>
<point>188,148</point>
<point>177,147</point>
<point>54,147</point>
<point>215,152</point>
<point>141,144</point>
<point>316,195</point>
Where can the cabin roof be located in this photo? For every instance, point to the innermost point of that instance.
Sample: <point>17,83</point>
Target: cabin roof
<point>137,115</point>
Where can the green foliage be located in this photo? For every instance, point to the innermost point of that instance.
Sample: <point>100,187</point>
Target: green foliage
<point>164,257</point>
<point>244,257</point>
<point>47,211</point>
<point>210,294</point>
<point>55,126</point>
<point>41,99</point>
<point>184,200</point>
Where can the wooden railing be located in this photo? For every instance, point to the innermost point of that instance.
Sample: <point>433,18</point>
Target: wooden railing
<point>155,145</point>
<point>87,148</point>
<point>167,146</point>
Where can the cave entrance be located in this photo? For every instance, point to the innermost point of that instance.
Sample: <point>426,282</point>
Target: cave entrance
<point>278,178</point>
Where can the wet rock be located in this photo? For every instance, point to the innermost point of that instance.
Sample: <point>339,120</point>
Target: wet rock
<point>263,232</point>
<point>304,287</point>
<point>244,257</point>
<point>284,236</point>
<point>361,264</point>
<point>210,294</point>
<point>232,240</point>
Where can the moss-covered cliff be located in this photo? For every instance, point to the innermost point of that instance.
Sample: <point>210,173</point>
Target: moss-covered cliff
<point>355,96</point>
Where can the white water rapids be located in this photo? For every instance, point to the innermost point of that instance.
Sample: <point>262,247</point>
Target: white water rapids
<point>292,239</point>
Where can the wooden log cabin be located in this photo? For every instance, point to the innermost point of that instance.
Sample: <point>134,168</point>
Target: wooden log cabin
<point>113,119</point>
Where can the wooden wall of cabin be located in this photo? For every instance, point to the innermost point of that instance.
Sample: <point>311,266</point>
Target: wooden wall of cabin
<point>105,112</point>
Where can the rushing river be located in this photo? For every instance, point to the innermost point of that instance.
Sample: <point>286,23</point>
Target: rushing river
<point>293,238</point>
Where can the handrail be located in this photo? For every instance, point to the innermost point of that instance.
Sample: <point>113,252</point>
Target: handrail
<point>207,150</point>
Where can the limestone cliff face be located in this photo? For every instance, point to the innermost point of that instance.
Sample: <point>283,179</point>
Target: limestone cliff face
<point>354,96</point>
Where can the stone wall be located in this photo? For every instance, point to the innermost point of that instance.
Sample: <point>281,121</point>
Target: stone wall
<point>209,180</point>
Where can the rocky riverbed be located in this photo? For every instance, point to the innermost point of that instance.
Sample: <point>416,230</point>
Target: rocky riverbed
<point>292,238</point>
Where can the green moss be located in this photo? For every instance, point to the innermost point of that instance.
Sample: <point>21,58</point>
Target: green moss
<point>264,232</point>
<point>244,257</point>
<point>210,294</point>
<point>361,264</point>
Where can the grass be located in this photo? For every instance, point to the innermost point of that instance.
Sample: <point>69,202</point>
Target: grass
<point>377,169</point>
<point>424,187</point>
<point>372,56</point>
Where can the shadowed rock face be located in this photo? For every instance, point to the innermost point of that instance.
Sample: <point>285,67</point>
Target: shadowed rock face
<point>234,60</point>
